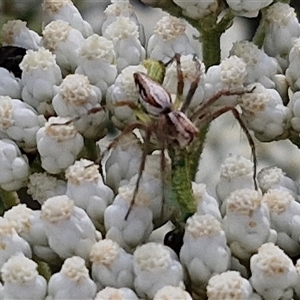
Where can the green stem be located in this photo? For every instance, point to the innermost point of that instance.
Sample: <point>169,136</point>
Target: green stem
<point>211,47</point>
<point>211,31</point>
<point>195,151</point>
<point>182,184</point>
<point>44,269</point>
<point>259,36</point>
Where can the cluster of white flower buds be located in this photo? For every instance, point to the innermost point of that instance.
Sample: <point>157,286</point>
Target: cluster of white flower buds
<point>96,233</point>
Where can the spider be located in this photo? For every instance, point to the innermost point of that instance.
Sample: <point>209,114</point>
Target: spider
<point>169,123</point>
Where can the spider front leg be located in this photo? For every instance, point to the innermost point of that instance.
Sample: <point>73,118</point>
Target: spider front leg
<point>141,115</point>
<point>128,129</point>
<point>180,81</point>
<point>208,117</point>
<point>162,175</point>
<point>193,87</point>
<point>202,108</point>
<point>179,102</point>
<point>141,168</point>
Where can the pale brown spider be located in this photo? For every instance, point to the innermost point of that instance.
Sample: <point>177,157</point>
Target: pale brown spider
<point>170,126</point>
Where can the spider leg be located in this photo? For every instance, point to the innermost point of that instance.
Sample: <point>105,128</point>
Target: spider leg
<point>162,133</point>
<point>193,86</point>
<point>220,111</point>
<point>129,128</point>
<point>180,81</point>
<point>141,169</point>
<point>128,103</point>
<point>142,115</point>
<point>94,110</point>
<point>206,104</point>
<point>162,175</point>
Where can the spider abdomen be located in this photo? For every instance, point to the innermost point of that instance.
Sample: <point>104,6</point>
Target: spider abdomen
<point>154,98</point>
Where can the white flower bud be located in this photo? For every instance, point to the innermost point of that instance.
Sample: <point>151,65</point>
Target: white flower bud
<point>265,114</point>
<point>75,98</point>
<point>229,285</point>
<point>138,226</point>
<point>123,8</point>
<point>68,227</point>
<point>168,39</point>
<point>282,87</point>
<point>15,33</point>
<point>236,173</point>
<point>86,188</point>
<point>66,11</point>
<point>206,204</point>
<point>42,186</point>
<point>246,8</point>
<point>259,66</point>
<point>96,59</point>
<point>230,74</point>
<point>197,9</point>
<point>281,28</point>
<point>292,72</point>
<point>111,265</point>
<point>64,41</point>
<point>19,122</point>
<point>29,226</point>
<point>72,282</point>
<point>295,107</point>
<point>116,9</point>
<point>123,162</point>
<point>11,243</point>
<point>274,178</point>
<point>9,84</point>
<point>40,76</point>
<point>125,36</point>
<point>154,184</point>
<point>123,89</point>
<point>155,266</point>
<point>14,166</point>
<point>169,292</point>
<point>113,293</point>
<point>189,72</point>
<point>233,72</point>
<point>273,273</point>
<point>284,214</point>
<point>247,223</point>
<point>122,167</point>
<point>58,144</point>
<point>204,251</point>
<point>21,279</point>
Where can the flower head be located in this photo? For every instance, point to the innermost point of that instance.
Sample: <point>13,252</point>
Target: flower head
<point>229,285</point>
<point>15,33</point>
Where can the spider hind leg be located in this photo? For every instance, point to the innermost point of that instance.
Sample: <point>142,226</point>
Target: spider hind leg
<point>141,168</point>
<point>128,129</point>
<point>207,117</point>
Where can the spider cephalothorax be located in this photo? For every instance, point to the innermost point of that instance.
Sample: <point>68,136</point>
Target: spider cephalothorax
<point>167,121</point>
